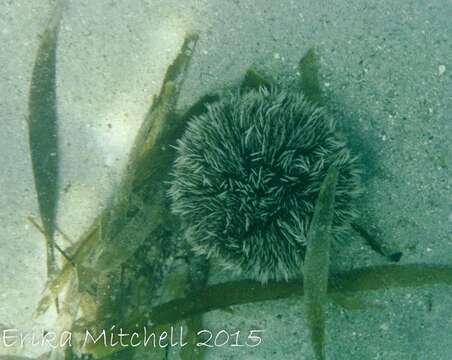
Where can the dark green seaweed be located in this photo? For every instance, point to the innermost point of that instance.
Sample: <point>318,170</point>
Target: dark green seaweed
<point>43,131</point>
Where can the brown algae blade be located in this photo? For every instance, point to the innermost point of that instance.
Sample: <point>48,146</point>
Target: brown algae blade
<point>147,172</point>
<point>317,262</point>
<point>43,131</point>
<point>309,72</point>
<point>166,101</point>
<point>221,296</point>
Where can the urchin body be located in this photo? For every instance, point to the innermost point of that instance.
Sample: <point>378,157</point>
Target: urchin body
<point>247,176</point>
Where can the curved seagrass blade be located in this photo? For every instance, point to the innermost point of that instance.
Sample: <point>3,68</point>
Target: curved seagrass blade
<point>42,130</point>
<point>309,72</point>
<point>223,295</point>
<point>317,263</point>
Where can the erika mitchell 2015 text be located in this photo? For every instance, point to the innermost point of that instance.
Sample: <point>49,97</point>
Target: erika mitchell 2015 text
<point>115,337</point>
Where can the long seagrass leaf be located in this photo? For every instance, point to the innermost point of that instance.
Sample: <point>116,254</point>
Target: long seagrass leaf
<point>43,130</point>
<point>223,295</point>
<point>317,263</point>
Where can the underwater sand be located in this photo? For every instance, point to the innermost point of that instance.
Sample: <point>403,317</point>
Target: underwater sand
<point>387,72</point>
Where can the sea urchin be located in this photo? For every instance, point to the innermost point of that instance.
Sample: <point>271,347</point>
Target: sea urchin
<point>247,175</point>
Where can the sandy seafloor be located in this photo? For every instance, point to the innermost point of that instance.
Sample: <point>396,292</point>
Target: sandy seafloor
<point>386,67</point>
